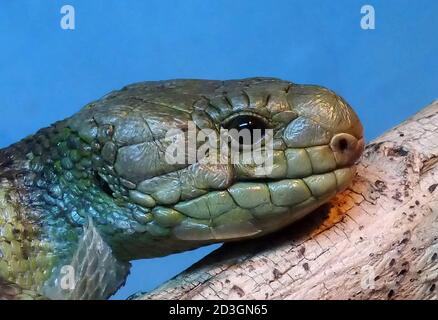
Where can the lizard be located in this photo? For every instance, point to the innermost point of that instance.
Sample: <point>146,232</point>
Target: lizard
<point>83,197</point>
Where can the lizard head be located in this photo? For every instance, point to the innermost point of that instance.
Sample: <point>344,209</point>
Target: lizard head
<point>118,160</point>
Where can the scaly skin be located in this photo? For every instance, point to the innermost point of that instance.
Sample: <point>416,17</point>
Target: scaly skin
<point>94,191</point>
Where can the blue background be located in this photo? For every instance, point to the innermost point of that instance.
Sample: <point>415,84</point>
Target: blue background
<point>47,73</point>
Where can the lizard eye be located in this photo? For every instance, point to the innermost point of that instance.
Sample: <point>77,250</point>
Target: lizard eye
<point>249,128</point>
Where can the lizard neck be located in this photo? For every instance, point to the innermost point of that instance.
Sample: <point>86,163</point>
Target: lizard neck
<point>51,238</point>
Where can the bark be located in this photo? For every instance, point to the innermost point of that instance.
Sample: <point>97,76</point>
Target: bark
<point>376,240</point>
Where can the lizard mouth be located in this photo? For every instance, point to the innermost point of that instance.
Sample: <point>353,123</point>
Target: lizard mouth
<point>251,207</point>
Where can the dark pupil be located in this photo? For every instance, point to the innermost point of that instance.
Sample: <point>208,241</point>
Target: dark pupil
<point>247,122</point>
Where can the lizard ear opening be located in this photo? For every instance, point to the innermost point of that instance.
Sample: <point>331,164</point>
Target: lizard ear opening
<point>103,184</point>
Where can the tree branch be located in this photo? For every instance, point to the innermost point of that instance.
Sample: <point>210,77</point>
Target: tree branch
<point>376,240</point>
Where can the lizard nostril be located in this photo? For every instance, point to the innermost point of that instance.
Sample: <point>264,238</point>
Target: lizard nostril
<point>343,144</point>
<point>346,148</point>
